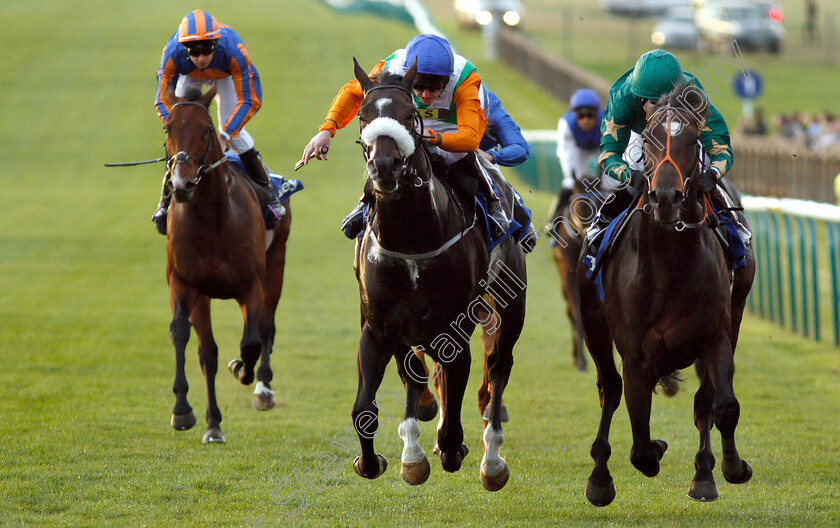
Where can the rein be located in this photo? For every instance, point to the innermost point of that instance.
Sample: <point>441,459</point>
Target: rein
<point>182,156</point>
<point>684,182</point>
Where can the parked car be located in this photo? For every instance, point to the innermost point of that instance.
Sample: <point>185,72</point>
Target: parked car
<point>676,29</point>
<point>642,8</point>
<point>475,13</point>
<point>749,24</point>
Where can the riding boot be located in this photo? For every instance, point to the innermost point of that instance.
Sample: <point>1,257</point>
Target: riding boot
<point>159,218</point>
<point>272,208</point>
<point>616,203</point>
<point>354,223</point>
<point>722,205</point>
<point>498,220</point>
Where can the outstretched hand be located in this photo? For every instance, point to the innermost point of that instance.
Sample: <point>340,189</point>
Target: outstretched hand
<point>317,148</point>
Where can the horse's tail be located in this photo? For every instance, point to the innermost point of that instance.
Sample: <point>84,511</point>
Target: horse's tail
<point>670,383</point>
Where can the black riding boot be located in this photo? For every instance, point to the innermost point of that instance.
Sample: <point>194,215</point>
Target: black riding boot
<point>159,218</point>
<point>272,208</point>
<point>721,205</point>
<point>619,199</point>
<point>354,223</point>
<point>499,222</point>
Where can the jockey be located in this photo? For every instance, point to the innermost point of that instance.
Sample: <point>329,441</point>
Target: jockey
<point>656,73</point>
<point>205,52</point>
<point>446,83</point>
<point>502,142</point>
<point>578,141</point>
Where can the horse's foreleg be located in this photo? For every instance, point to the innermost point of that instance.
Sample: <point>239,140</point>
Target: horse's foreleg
<point>638,393</point>
<point>453,384</point>
<point>263,398</point>
<point>703,486</point>
<point>498,363</point>
<point>427,407</point>
<point>600,489</point>
<point>720,367</point>
<point>415,467</point>
<point>371,363</point>
<point>252,344</point>
<point>208,355</point>
<point>182,300</point>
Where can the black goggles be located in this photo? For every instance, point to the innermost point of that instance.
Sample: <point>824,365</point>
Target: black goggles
<point>200,49</point>
<point>420,87</point>
<point>580,113</point>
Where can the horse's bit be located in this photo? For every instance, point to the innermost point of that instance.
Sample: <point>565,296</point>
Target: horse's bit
<point>182,156</point>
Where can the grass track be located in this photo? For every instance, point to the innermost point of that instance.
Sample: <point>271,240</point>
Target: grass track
<point>85,393</point>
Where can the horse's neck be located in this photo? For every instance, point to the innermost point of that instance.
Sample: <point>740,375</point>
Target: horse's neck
<point>420,219</point>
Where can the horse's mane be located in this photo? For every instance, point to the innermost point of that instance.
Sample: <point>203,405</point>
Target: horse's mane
<point>193,92</point>
<point>688,97</point>
<point>386,77</point>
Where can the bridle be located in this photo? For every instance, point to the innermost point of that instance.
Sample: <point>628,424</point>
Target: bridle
<point>417,124</point>
<point>668,159</point>
<point>182,157</point>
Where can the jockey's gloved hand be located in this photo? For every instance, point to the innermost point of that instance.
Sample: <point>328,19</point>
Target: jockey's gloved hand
<point>708,181</point>
<point>638,181</point>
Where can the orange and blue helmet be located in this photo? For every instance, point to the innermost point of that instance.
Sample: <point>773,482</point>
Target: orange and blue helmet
<point>198,25</point>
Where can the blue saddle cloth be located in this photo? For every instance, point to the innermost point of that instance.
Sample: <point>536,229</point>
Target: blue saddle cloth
<point>516,230</point>
<point>283,188</point>
<point>736,252</point>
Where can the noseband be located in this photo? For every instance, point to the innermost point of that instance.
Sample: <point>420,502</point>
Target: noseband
<point>684,181</point>
<point>182,157</point>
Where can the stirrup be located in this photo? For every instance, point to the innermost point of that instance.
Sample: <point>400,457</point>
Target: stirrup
<point>529,239</point>
<point>272,213</point>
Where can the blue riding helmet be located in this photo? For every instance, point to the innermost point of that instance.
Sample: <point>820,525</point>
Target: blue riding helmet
<point>585,97</point>
<point>433,53</point>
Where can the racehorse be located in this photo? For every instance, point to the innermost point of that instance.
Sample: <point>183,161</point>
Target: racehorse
<point>568,232</point>
<point>425,281</point>
<point>217,247</point>
<point>667,302</point>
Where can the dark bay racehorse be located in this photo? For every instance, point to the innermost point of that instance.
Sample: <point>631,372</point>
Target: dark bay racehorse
<point>425,282</point>
<point>568,232</point>
<point>667,302</point>
<point>217,247</point>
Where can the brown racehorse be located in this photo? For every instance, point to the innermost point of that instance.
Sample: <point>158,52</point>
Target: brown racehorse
<point>667,302</point>
<point>217,247</point>
<point>425,281</point>
<point>567,232</point>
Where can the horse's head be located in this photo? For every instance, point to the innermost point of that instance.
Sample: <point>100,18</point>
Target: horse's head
<point>387,121</point>
<point>672,162</point>
<point>190,139</point>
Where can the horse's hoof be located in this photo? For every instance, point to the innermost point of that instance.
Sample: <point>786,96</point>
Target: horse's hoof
<point>703,491</point>
<point>662,446</point>
<point>383,465</point>
<point>235,366</point>
<point>740,475</point>
<point>504,412</point>
<point>212,436</point>
<point>497,481</point>
<point>416,473</point>
<point>263,402</point>
<point>600,495</point>
<point>452,462</point>
<point>427,413</point>
<point>182,422</point>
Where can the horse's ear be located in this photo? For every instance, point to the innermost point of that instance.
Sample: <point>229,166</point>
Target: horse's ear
<point>362,76</point>
<point>649,107</point>
<point>408,78</point>
<point>170,93</point>
<point>207,98</point>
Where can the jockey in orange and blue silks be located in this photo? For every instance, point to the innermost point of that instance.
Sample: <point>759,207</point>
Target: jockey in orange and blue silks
<point>206,52</point>
<point>448,94</point>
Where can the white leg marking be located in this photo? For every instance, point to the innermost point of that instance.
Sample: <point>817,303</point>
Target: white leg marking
<point>492,463</point>
<point>409,431</point>
<point>262,389</point>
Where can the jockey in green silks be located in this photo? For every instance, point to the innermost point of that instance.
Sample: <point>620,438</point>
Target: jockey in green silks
<point>656,73</point>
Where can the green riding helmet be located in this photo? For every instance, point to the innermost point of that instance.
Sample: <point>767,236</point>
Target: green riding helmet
<point>656,73</point>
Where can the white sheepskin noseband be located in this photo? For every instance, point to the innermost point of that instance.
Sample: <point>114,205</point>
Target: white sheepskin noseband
<point>386,126</point>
